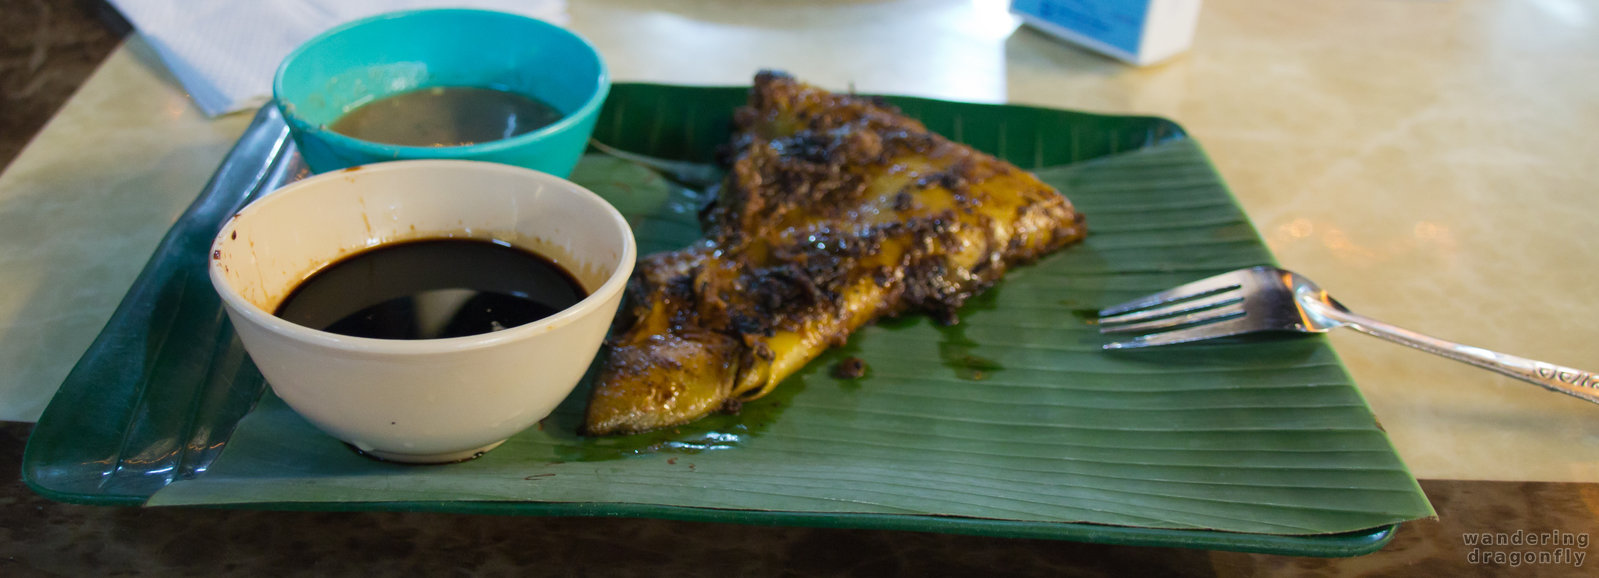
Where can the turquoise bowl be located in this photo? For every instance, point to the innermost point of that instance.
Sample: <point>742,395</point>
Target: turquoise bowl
<point>369,59</point>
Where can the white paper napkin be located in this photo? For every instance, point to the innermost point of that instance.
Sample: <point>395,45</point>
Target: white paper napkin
<point>225,52</point>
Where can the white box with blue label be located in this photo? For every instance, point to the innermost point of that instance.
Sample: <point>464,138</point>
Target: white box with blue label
<point>1139,32</point>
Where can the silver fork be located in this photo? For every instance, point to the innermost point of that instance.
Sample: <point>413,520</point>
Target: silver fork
<point>1272,299</point>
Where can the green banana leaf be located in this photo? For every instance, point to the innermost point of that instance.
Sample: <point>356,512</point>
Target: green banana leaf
<point>1013,422</point>
<point>1015,413</point>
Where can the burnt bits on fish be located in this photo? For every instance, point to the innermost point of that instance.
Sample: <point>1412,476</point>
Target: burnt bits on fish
<point>836,210</point>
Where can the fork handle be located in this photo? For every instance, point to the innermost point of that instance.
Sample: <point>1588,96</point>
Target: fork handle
<point>1573,382</point>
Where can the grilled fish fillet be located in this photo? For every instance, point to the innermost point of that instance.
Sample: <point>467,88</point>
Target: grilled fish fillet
<point>837,210</point>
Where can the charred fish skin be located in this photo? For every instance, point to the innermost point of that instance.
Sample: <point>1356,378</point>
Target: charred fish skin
<point>836,210</point>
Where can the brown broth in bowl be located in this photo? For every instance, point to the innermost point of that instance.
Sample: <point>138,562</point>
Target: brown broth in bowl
<point>444,116</point>
<point>432,289</point>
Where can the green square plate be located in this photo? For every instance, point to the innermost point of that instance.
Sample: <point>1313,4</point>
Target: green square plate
<point>1012,423</point>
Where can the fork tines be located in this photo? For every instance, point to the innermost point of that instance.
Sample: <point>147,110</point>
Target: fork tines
<point>1210,307</point>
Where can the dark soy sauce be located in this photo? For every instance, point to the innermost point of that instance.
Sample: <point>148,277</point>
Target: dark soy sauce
<point>432,290</point>
<point>445,116</point>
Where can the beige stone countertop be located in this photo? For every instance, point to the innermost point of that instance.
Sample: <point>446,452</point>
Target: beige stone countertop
<point>1430,163</point>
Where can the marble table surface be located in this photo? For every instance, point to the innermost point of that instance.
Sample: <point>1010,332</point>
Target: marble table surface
<point>1428,162</point>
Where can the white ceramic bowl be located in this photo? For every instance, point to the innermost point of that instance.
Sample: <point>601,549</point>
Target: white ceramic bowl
<point>431,400</point>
